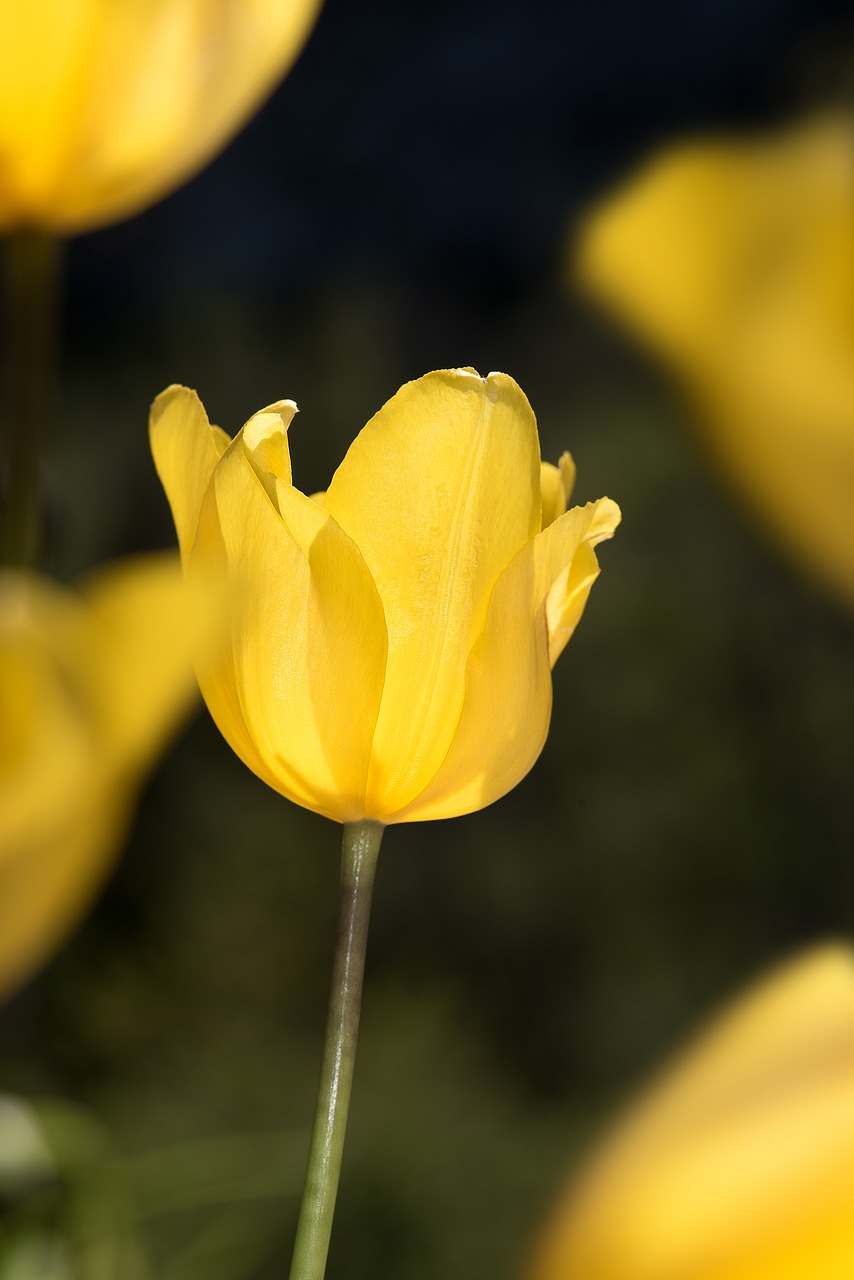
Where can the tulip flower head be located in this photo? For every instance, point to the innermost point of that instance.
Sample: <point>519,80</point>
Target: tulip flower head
<point>91,684</point>
<point>739,1163</point>
<point>734,261</point>
<point>391,640</point>
<point>106,106</point>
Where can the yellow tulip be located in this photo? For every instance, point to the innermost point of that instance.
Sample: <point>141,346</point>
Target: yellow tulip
<point>106,105</point>
<point>739,1163</point>
<point>735,262</point>
<point>91,684</point>
<point>391,640</point>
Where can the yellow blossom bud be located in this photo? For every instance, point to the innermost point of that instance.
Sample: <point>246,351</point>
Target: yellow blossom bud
<point>391,640</point>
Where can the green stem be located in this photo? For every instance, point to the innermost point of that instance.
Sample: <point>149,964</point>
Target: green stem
<point>31,275</point>
<point>360,847</point>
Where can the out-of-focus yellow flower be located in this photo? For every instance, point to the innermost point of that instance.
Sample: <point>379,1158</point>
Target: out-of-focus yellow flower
<point>739,1164</point>
<point>735,262</point>
<point>91,683</point>
<point>392,639</point>
<point>106,105</point>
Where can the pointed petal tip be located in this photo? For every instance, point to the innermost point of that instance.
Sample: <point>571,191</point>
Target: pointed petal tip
<point>567,471</point>
<point>606,519</point>
<point>186,450</point>
<point>273,420</point>
<point>265,444</point>
<point>557,482</point>
<point>175,391</point>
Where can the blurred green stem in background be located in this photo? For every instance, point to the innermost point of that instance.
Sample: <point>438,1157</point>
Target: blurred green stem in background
<point>32,262</point>
<point>360,847</point>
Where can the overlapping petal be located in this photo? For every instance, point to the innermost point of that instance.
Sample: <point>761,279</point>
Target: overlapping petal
<point>534,609</point>
<point>439,491</point>
<point>297,689</point>
<point>556,485</point>
<point>186,452</point>
<point>106,107</point>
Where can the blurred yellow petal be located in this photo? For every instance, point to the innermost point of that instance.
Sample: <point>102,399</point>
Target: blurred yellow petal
<point>556,484</point>
<point>143,626</point>
<point>739,1163</point>
<point>536,604</point>
<point>48,883</point>
<point>390,639</point>
<point>439,492</point>
<point>659,250</point>
<point>91,684</point>
<point>104,107</point>
<point>43,636</point>
<point>734,261</point>
<point>298,690</point>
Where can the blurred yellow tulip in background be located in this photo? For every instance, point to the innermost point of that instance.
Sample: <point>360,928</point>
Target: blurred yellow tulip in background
<point>106,105</point>
<point>734,261</point>
<point>91,685</point>
<point>391,640</point>
<point>739,1163</point>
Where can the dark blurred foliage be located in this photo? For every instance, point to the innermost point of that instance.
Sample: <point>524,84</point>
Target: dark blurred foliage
<point>401,205</point>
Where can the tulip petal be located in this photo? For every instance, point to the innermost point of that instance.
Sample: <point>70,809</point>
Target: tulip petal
<point>557,484</point>
<point>439,492</point>
<point>221,440</point>
<point>566,597</point>
<point>536,605</point>
<point>186,450</point>
<point>298,691</point>
<point>265,439</point>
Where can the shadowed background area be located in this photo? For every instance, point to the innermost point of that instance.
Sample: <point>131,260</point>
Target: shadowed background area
<point>402,204</point>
